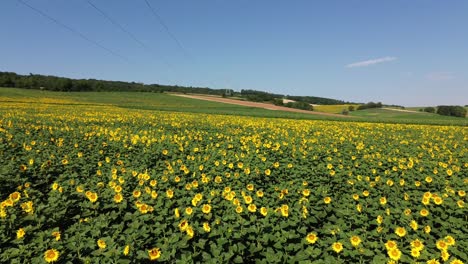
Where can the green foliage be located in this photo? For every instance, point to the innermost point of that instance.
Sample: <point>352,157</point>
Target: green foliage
<point>69,149</point>
<point>429,109</point>
<point>300,105</point>
<point>451,110</point>
<point>370,105</point>
<point>259,96</point>
<point>53,83</point>
<point>316,100</point>
<point>278,102</point>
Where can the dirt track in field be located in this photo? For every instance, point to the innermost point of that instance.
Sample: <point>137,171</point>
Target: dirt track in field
<point>255,104</point>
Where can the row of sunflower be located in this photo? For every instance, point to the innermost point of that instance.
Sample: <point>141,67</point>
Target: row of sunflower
<point>102,184</point>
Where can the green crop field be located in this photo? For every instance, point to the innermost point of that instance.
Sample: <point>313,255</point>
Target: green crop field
<point>144,101</point>
<point>385,115</point>
<point>167,102</point>
<point>135,178</point>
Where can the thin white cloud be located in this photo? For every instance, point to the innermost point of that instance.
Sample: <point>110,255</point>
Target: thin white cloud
<point>440,76</point>
<point>370,62</point>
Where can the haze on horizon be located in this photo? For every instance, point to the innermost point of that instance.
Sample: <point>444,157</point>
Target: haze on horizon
<point>411,53</point>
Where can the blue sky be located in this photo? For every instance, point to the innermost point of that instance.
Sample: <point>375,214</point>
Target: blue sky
<point>411,53</point>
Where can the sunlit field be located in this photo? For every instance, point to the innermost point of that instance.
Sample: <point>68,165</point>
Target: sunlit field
<point>105,184</point>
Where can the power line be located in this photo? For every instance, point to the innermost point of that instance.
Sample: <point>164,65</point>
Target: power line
<point>166,28</point>
<point>72,30</point>
<point>122,28</point>
<point>117,25</point>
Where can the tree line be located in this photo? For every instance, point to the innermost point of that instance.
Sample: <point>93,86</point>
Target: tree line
<point>54,83</point>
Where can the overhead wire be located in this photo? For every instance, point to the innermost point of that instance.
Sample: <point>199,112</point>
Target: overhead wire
<point>123,29</point>
<point>169,32</point>
<point>72,30</point>
<point>117,24</point>
<point>166,28</point>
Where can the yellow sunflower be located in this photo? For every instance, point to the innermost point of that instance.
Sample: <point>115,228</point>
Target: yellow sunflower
<point>311,238</point>
<point>337,247</point>
<point>154,253</point>
<point>394,254</point>
<point>355,240</point>
<point>51,255</point>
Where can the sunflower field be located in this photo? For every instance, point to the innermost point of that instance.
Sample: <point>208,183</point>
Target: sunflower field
<point>102,184</point>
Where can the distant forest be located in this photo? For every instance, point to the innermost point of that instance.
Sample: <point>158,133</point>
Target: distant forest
<point>54,83</point>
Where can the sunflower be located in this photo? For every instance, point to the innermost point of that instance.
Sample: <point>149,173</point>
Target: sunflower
<point>188,210</point>
<point>126,250</point>
<point>284,211</point>
<point>206,208</point>
<point>118,198</point>
<point>417,244</point>
<point>56,234</point>
<point>438,200</point>
<point>28,207</point>
<point>170,193</point>
<point>183,225</point>
<point>390,245</point>
<point>425,201</point>
<point>264,211</point>
<point>337,247</point>
<point>250,187</point>
<point>92,196</point>
<point>190,231</point>
<point>327,200</point>
<point>144,208</point>
<point>444,255</point>
<point>206,227</point>
<point>154,253</point>
<point>427,229</point>
<point>424,212</point>
<point>252,208</point>
<point>433,261</point>
<point>450,240</point>
<point>383,200</point>
<point>101,244</point>
<point>23,167</point>
<point>461,203</point>
<point>136,193</point>
<point>441,245</point>
<point>51,255</point>
<point>394,254</point>
<point>400,231</point>
<point>415,253</point>
<point>239,209</point>
<point>355,240</point>
<point>20,233</point>
<point>15,196</point>
<point>379,219</point>
<point>311,238</point>
<point>260,194</point>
